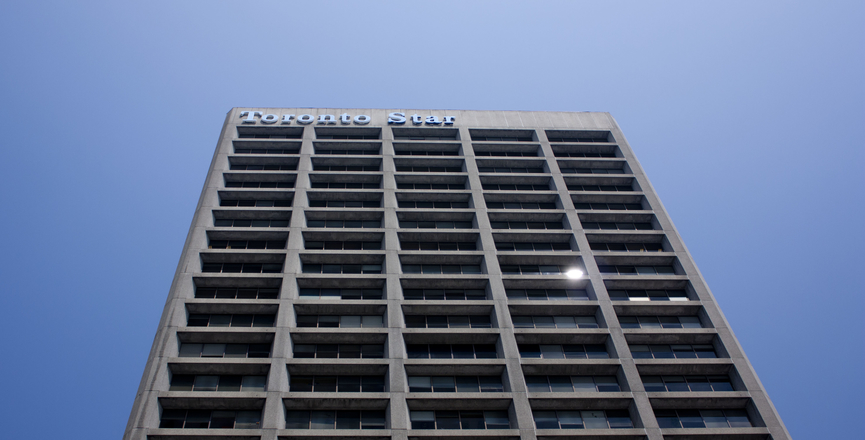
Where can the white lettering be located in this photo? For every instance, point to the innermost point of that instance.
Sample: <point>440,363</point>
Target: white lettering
<point>326,119</point>
<point>396,118</point>
<point>433,120</point>
<point>305,119</point>
<point>362,119</point>
<point>416,119</point>
<point>345,119</point>
<point>449,120</point>
<point>251,118</point>
<point>286,119</point>
<point>269,119</point>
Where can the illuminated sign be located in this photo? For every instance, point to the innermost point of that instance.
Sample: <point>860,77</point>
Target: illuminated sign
<point>395,118</point>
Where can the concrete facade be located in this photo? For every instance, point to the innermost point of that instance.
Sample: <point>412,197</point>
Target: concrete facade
<point>454,235</point>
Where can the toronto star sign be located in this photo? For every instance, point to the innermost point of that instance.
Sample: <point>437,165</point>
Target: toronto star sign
<point>395,118</point>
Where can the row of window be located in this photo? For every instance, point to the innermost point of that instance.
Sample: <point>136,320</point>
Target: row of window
<point>241,167</point>
<point>339,351</point>
<point>246,223</point>
<point>646,322</point>
<point>627,247</point>
<point>442,419</point>
<point>339,419</point>
<point>344,321</point>
<point>259,185</point>
<point>225,350</point>
<point>521,205</point>
<point>336,384</point>
<point>344,245</point>
<point>207,419</point>
<point>555,322</point>
<point>447,321</point>
<point>451,351</point>
<point>241,267</point>
<point>236,320</point>
<point>410,204</point>
<point>547,294</point>
<point>570,384</point>
<point>247,244</point>
<point>435,224</point>
<point>456,186</point>
<point>281,203</point>
<point>345,185</point>
<point>526,225</point>
<point>236,293</point>
<point>524,246</point>
<point>610,206</point>
<point>317,167</point>
<point>594,419</point>
<point>508,187</point>
<point>444,294</point>
<point>675,351</point>
<point>563,351</point>
<point>512,170</point>
<point>455,269</point>
<point>344,204</point>
<point>420,169</point>
<point>334,294</point>
<point>637,270</point>
<point>437,246</point>
<point>455,384</point>
<point>342,268</point>
<point>592,170</point>
<point>192,382</point>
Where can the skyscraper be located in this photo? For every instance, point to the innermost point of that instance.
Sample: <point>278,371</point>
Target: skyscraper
<point>361,273</point>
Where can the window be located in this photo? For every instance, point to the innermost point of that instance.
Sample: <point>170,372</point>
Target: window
<point>459,419</point>
<point>686,383</point>
<point>281,203</point>
<point>570,384</point>
<point>547,294</point>
<point>521,205</point>
<point>207,419</point>
<point>438,246</point>
<point>577,136</point>
<point>618,226</point>
<point>637,270</point>
<point>502,135</point>
<point>555,322</point>
<point>444,294</point>
<point>564,351</point>
<point>225,350</point>
<point>676,351</point>
<point>294,150</point>
<point>702,418</point>
<point>336,384</point>
<point>334,419</point>
<point>529,269</point>
<point>345,185</point>
<point>247,223</point>
<point>455,384</point>
<point>420,169</point>
<point>259,184</point>
<point>334,294</point>
<point>343,223</point>
<point>241,267</point>
<point>347,321</point>
<point>577,154</point>
<point>236,293</point>
<point>346,137</point>
<point>344,245</point>
<point>448,321</point>
<point>192,382</point>
<point>339,351</point>
<point>437,205</point>
<point>430,186</point>
<point>342,268</point>
<point>237,320</point>
<point>523,246</point>
<point>600,188</point>
<point>507,187</point>
<point>451,351</point>
<point>435,224</point>
<point>610,206</point>
<point>347,152</point>
<point>526,225</point>
<point>246,132</point>
<point>627,247</point>
<point>595,419</point>
<point>648,295</point>
<point>465,269</point>
<point>646,322</point>
<point>426,153</point>
<point>317,167</point>
<point>344,203</point>
<point>244,167</point>
<point>513,170</point>
<point>247,244</point>
<point>507,153</point>
<point>592,170</point>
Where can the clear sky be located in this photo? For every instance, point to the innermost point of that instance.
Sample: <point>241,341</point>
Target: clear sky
<point>747,117</point>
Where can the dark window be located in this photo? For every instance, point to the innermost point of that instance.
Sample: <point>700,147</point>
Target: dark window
<point>627,247</point>
<point>686,383</point>
<point>344,204</point>
<point>677,351</point>
<point>247,244</point>
<point>555,322</point>
<point>207,419</point>
<point>547,294</point>
<point>521,205</point>
<point>259,184</point>
<point>346,185</point>
<point>620,226</point>
<point>507,153</point>
<point>564,351</point>
<point>459,419</point>
<point>281,203</point>
<point>334,384</point>
<point>335,419</point>
<point>610,206</point>
<point>430,186</point>
<point>345,321</point>
<point>573,419</point>
<point>526,225</point>
<point>702,418</point>
<point>660,322</point>
<point>592,170</point>
<point>344,245</point>
<point>342,268</point>
<point>600,188</point>
<point>426,153</point>
<point>241,167</point>
<point>529,269</point>
<point>435,224</point>
<point>436,205</point>
<point>524,246</point>
<point>447,321</point>
<point>419,169</point>
<point>512,170</point>
<point>444,294</point>
<point>295,150</point>
<point>341,351</point>
<point>317,167</point>
<point>437,246</point>
<point>347,152</point>
<point>637,270</point>
<point>248,223</point>
<point>570,384</point>
<point>335,294</point>
<point>452,384</point>
<point>648,295</point>
<point>451,351</point>
<point>236,320</point>
<point>225,350</point>
<point>343,223</point>
<point>241,267</point>
<point>236,293</point>
<point>455,269</point>
<point>574,154</point>
<point>191,382</point>
<point>514,187</point>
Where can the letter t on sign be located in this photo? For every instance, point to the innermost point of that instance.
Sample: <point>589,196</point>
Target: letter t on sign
<point>251,118</point>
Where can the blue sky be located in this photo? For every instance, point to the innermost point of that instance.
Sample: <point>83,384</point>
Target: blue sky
<point>747,117</point>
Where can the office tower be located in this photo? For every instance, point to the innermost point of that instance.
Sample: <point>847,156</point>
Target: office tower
<point>371,274</point>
